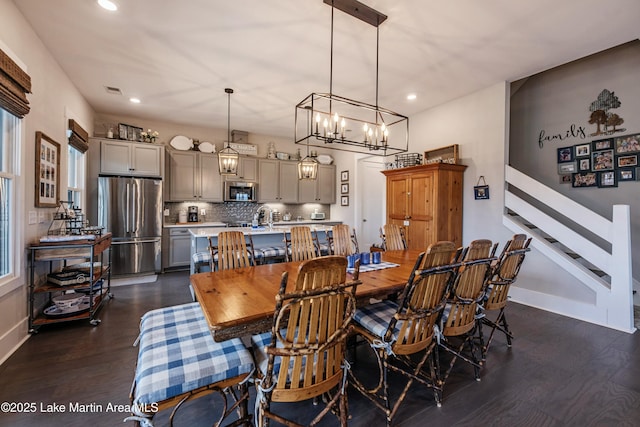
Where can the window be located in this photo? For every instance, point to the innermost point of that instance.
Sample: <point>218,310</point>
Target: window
<point>75,186</point>
<point>10,237</point>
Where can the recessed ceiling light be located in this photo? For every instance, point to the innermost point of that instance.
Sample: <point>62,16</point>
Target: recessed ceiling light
<point>108,4</point>
<point>412,96</point>
<point>135,100</point>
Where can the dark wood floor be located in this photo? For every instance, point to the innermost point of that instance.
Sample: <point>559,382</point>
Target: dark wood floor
<point>559,372</point>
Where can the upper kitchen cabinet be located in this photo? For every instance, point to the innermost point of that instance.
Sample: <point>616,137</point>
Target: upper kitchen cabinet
<point>278,181</point>
<point>427,201</point>
<point>131,158</point>
<point>322,190</point>
<point>247,170</point>
<point>193,176</point>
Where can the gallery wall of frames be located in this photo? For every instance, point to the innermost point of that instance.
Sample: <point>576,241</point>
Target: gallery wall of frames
<point>600,163</point>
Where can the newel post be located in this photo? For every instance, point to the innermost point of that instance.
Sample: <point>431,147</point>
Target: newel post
<point>621,305</point>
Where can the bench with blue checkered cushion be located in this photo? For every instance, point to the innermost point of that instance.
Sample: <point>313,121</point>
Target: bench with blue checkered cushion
<point>271,252</point>
<point>201,258</point>
<point>375,318</point>
<point>178,355</point>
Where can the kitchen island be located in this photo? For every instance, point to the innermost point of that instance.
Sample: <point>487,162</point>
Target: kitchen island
<point>262,237</point>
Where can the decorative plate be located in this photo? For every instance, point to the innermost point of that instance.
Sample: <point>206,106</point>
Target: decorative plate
<point>324,159</point>
<point>55,311</point>
<point>181,143</point>
<point>207,147</point>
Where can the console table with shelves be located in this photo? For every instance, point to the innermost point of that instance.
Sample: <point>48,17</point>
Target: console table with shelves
<point>91,248</point>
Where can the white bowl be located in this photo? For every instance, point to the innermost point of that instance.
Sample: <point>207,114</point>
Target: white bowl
<point>324,159</point>
<point>282,156</point>
<point>67,301</point>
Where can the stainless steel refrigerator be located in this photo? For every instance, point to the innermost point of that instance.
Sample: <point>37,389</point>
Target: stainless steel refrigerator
<point>131,209</point>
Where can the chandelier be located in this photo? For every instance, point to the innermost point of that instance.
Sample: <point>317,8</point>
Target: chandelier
<point>228,157</point>
<point>335,122</point>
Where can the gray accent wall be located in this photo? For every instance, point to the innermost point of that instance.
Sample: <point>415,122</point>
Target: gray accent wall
<point>557,102</point>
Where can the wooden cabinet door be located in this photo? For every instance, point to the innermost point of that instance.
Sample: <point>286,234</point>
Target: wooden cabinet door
<point>115,158</point>
<point>288,182</point>
<point>210,178</point>
<point>146,159</point>
<point>420,211</point>
<point>182,186</point>
<point>326,185</point>
<point>268,190</point>
<point>179,248</point>
<point>397,199</point>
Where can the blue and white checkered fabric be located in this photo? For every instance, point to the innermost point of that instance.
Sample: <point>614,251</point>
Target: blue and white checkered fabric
<point>374,267</point>
<point>201,257</point>
<point>258,343</point>
<point>177,355</point>
<point>271,251</point>
<point>375,318</point>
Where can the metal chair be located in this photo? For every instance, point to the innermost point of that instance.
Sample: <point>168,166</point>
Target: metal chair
<point>393,238</point>
<point>402,333</point>
<point>343,241</point>
<point>231,251</point>
<point>504,273</point>
<point>303,356</point>
<point>301,245</point>
<point>458,320</point>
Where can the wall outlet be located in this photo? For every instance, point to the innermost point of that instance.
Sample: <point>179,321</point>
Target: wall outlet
<point>33,217</point>
<point>203,212</point>
<point>166,212</point>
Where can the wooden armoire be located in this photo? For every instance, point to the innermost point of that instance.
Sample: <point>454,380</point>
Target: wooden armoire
<point>427,201</point>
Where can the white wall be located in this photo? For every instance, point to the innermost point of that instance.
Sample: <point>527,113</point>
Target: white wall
<point>53,101</point>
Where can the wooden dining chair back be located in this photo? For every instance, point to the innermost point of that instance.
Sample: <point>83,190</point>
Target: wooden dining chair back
<point>393,238</point>
<point>231,251</point>
<point>343,241</point>
<point>402,333</point>
<point>302,245</point>
<point>304,354</point>
<point>504,274</point>
<point>459,317</point>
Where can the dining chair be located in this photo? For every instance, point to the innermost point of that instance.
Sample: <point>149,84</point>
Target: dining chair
<point>393,238</point>
<point>179,361</point>
<point>503,275</point>
<point>301,245</point>
<point>231,251</point>
<point>343,241</point>
<point>458,321</point>
<point>303,356</point>
<point>402,334</point>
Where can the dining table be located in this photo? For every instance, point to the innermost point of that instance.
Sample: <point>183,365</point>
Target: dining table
<point>241,302</point>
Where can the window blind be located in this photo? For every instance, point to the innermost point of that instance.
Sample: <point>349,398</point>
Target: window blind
<point>15,84</point>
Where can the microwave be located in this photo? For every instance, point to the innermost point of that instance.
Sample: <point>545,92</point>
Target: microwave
<point>240,191</point>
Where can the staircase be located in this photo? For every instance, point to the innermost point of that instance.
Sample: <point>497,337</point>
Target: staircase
<point>579,250</point>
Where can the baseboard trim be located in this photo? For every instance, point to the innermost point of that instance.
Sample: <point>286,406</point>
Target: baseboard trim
<point>14,338</point>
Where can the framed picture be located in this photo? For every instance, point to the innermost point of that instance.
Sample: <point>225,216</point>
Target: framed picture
<point>582,150</point>
<point>602,144</point>
<point>344,201</point>
<point>122,131</point>
<point>47,171</point>
<point>481,192</point>
<point>628,144</point>
<point>130,133</point>
<point>602,160</point>
<point>627,174</point>
<point>344,188</point>
<point>565,154</point>
<point>584,164</point>
<point>565,179</point>
<point>584,179</point>
<point>607,179</point>
<point>344,176</point>
<point>565,168</point>
<point>627,161</point>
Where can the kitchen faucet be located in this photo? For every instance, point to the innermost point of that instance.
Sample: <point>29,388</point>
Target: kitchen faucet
<point>260,214</point>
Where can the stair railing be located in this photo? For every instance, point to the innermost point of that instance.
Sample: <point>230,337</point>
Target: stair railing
<point>617,298</point>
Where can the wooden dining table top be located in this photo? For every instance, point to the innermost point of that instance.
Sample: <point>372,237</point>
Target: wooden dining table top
<point>241,302</point>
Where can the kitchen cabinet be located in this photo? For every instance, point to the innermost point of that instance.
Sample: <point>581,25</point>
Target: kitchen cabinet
<point>94,283</point>
<point>278,181</point>
<point>193,176</point>
<point>427,201</point>
<point>131,158</point>
<point>179,247</point>
<point>247,170</point>
<point>322,190</point>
